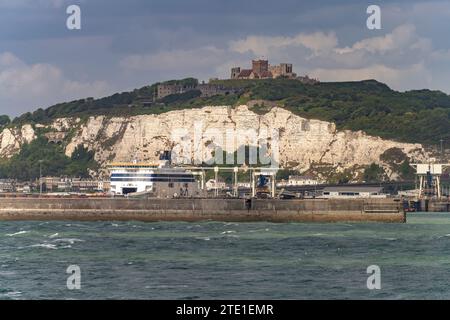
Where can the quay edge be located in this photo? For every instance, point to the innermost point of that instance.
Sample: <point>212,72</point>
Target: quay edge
<point>195,209</point>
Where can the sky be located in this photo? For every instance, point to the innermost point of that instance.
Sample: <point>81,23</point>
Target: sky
<point>124,45</point>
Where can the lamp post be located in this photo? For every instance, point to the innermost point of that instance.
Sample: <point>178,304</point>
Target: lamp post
<point>40,178</point>
<point>216,177</point>
<point>235,170</point>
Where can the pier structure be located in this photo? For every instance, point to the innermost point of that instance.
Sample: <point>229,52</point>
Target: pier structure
<point>271,173</point>
<point>429,196</point>
<point>429,175</point>
<point>255,172</point>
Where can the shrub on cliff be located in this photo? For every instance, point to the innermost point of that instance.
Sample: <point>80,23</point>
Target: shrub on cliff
<point>50,157</point>
<point>374,173</point>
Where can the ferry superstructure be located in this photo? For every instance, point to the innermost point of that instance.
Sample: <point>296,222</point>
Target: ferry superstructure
<point>135,177</point>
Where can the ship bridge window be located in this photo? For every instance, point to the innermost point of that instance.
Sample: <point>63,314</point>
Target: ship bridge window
<point>128,190</point>
<point>349,193</point>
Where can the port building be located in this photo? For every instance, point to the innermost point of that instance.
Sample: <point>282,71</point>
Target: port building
<point>353,192</point>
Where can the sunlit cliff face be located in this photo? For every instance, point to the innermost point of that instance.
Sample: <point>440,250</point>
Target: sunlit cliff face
<point>301,142</point>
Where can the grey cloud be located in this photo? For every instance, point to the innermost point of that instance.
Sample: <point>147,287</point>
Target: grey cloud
<point>123,46</point>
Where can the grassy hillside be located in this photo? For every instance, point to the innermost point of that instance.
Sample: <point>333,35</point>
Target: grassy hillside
<point>414,116</point>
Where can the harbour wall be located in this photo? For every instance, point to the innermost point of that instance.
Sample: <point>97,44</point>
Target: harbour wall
<point>154,209</point>
<point>435,206</point>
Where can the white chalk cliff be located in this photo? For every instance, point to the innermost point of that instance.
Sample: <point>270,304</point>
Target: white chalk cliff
<point>302,142</point>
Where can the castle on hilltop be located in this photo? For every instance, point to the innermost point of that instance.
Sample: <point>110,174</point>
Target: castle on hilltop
<point>261,69</point>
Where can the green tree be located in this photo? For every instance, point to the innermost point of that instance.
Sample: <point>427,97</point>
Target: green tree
<point>374,173</point>
<point>26,164</point>
<point>81,160</point>
<point>39,154</point>
<point>4,120</point>
<point>406,171</point>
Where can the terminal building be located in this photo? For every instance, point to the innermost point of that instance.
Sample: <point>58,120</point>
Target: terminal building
<point>298,181</point>
<point>348,192</point>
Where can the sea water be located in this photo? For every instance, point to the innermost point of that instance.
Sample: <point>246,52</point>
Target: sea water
<point>218,260</point>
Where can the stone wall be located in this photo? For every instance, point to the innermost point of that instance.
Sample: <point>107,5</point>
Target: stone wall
<point>200,209</point>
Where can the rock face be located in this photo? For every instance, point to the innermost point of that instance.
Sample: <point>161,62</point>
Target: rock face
<point>194,133</point>
<point>11,139</point>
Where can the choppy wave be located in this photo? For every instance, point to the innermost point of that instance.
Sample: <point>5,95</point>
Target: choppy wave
<point>203,238</point>
<point>228,232</point>
<point>231,224</point>
<point>16,233</point>
<point>164,286</point>
<point>232,236</point>
<point>11,295</point>
<point>68,240</point>
<point>44,245</point>
<point>259,230</point>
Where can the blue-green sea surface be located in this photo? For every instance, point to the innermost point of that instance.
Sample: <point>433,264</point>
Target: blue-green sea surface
<point>217,260</point>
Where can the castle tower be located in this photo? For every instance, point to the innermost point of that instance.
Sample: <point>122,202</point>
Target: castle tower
<point>235,72</point>
<point>260,66</point>
<point>286,68</point>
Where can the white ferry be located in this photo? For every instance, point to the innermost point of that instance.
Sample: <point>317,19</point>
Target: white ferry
<point>157,178</point>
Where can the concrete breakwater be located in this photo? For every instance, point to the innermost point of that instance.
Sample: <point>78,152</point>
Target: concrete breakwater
<point>273,210</point>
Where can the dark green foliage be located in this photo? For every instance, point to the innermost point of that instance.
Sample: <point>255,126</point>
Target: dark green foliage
<point>341,177</point>
<point>80,161</point>
<point>180,98</point>
<point>406,171</point>
<point>4,120</point>
<point>393,155</point>
<point>398,162</point>
<point>118,102</point>
<point>26,164</point>
<point>283,174</point>
<point>184,82</point>
<point>261,108</point>
<point>373,173</point>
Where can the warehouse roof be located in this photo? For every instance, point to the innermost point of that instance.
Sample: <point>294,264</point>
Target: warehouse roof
<point>353,189</point>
